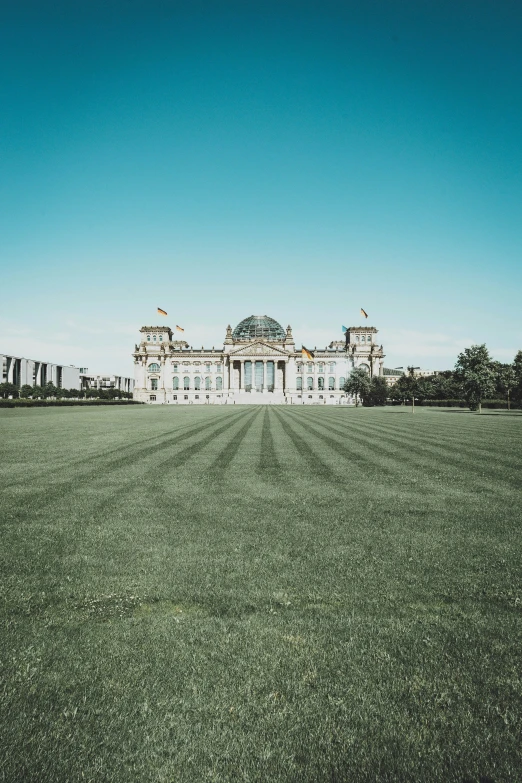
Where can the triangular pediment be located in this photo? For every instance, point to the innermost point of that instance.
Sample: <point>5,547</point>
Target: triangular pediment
<point>258,349</point>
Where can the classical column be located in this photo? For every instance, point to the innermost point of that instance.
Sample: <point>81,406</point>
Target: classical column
<point>265,377</point>
<point>162,372</point>
<point>242,374</point>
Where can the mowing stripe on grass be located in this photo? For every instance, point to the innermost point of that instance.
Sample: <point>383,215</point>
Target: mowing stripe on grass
<point>103,468</point>
<point>137,444</point>
<point>227,454</point>
<point>268,462</point>
<point>419,438</point>
<point>422,456</point>
<point>305,451</point>
<point>357,459</point>
<point>177,460</point>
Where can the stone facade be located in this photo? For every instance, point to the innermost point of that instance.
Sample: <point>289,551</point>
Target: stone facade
<point>257,364</point>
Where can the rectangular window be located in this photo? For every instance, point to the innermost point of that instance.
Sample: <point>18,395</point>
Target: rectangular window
<point>153,398</point>
<point>185,396</point>
<point>174,396</point>
<point>154,384</point>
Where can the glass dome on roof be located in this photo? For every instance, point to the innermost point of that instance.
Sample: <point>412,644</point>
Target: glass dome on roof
<point>259,326</point>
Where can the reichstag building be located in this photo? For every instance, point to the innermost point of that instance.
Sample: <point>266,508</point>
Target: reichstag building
<point>258,364</point>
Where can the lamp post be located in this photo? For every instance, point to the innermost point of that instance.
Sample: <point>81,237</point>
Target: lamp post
<point>410,370</point>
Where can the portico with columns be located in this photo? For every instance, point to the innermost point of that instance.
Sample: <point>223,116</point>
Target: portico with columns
<point>258,364</point>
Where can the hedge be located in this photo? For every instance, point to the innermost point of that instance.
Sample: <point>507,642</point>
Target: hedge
<point>63,403</point>
<point>502,404</point>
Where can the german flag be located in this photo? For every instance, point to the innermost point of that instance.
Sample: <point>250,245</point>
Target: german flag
<point>306,354</point>
<point>179,328</point>
<point>161,312</point>
<point>363,312</point>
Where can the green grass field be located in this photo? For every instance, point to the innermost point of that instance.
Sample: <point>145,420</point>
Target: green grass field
<point>260,594</point>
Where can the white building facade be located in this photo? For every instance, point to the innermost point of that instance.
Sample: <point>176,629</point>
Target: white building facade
<point>21,371</point>
<point>104,382</point>
<point>258,364</point>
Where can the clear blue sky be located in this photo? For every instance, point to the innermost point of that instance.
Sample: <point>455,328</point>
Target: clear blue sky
<point>299,159</point>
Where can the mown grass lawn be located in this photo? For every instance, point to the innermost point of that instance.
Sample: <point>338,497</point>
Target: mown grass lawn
<point>260,594</point>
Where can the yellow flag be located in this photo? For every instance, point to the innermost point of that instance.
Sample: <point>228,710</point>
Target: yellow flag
<point>162,312</point>
<point>363,312</point>
<point>306,354</point>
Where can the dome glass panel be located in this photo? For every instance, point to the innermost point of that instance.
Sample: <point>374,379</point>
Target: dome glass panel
<point>259,326</point>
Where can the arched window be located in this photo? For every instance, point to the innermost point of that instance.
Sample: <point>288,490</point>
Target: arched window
<point>219,383</point>
<point>320,383</point>
<point>197,383</point>
<point>148,338</point>
<point>299,384</point>
<point>309,367</point>
<point>207,382</point>
<point>175,383</point>
<point>161,338</point>
<point>365,368</point>
<point>332,366</point>
<point>154,367</point>
<point>331,383</point>
<point>342,381</point>
<point>154,338</point>
<point>186,382</point>
<point>309,384</point>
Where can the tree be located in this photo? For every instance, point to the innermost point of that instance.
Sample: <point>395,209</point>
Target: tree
<point>517,368</point>
<point>505,379</point>
<point>26,391</point>
<point>358,384</point>
<point>377,392</point>
<point>405,388</point>
<point>444,386</point>
<point>49,390</point>
<point>474,370</point>
<point>8,390</point>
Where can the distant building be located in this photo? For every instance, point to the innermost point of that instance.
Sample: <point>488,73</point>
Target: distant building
<point>257,364</point>
<point>418,373</point>
<point>119,382</point>
<point>21,371</point>
<point>391,376</point>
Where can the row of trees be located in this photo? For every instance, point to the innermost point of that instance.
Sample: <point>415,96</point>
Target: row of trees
<point>476,377</point>
<point>50,391</point>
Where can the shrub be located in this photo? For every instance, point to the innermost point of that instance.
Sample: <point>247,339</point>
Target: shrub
<point>63,403</point>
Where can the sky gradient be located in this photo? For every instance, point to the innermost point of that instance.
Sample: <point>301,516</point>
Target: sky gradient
<point>295,159</point>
